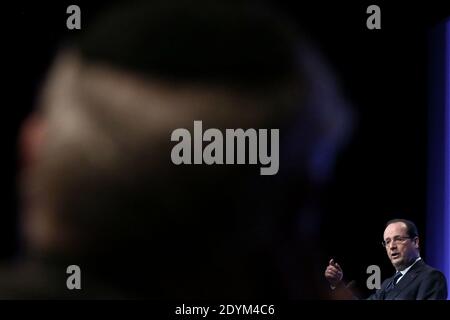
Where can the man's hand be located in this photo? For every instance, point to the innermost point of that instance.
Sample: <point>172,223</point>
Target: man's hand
<point>334,273</point>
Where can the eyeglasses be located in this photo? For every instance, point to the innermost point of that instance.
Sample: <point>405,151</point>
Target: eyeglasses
<point>387,242</point>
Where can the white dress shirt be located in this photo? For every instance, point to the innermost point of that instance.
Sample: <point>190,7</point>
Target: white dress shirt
<point>404,271</point>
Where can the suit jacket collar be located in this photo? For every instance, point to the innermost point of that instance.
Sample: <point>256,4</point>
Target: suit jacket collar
<point>407,278</point>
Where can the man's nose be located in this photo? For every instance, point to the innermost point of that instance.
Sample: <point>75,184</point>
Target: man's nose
<point>392,245</point>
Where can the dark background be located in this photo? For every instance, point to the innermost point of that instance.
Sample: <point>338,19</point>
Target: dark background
<point>380,175</point>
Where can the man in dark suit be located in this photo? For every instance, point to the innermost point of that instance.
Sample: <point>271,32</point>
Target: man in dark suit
<point>413,280</point>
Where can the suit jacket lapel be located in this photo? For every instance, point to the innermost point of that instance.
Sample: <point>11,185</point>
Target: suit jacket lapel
<point>407,279</point>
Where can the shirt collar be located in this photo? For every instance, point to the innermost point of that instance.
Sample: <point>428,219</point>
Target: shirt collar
<point>404,271</point>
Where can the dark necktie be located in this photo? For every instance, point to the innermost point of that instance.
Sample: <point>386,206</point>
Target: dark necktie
<point>397,276</point>
<point>391,284</point>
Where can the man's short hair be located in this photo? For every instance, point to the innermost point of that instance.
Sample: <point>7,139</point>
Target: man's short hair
<point>411,228</point>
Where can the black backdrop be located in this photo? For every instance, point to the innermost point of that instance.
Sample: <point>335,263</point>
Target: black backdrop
<point>380,175</point>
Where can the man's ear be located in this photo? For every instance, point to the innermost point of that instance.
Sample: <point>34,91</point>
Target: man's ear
<point>416,242</point>
<point>30,139</point>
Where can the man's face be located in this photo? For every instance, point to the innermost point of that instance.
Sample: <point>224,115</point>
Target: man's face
<point>400,249</point>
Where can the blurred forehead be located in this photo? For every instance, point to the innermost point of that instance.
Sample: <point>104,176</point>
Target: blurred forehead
<point>395,229</point>
<point>164,105</point>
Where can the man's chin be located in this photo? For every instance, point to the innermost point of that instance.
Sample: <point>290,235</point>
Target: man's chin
<point>397,263</point>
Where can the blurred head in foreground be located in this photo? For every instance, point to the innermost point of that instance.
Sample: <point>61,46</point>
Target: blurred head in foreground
<point>99,187</point>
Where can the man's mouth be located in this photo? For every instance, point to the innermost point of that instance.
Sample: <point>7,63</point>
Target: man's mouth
<point>395,255</point>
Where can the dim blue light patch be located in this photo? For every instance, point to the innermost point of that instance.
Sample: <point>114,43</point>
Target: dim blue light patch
<point>446,262</point>
<point>438,216</point>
